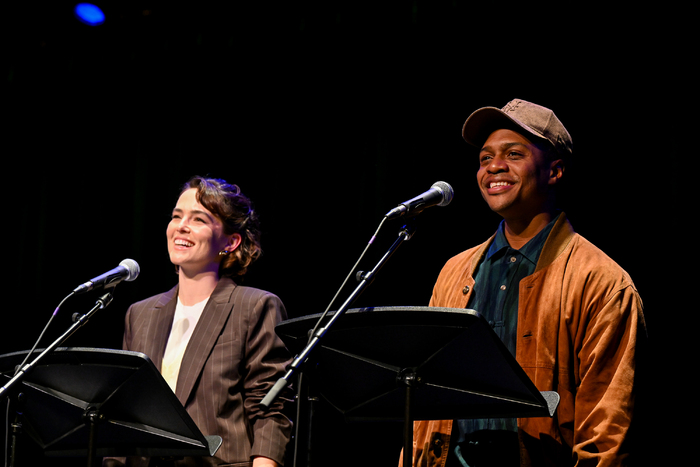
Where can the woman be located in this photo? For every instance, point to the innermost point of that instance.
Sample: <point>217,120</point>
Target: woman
<point>214,340</point>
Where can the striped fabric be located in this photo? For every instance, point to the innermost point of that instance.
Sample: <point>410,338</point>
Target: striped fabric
<point>232,359</point>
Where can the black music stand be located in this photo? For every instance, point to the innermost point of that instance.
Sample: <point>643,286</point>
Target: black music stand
<point>104,403</point>
<point>417,363</point>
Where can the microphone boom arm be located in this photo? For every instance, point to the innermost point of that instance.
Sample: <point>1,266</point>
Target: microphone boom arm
<point>102,302</point>
<point>406,233</point>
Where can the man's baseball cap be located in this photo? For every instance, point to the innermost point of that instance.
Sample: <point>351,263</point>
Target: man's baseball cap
<point>518,115</point>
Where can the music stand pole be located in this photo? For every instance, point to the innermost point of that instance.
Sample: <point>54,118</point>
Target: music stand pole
<point>409,379</point>
<point>102,302</point>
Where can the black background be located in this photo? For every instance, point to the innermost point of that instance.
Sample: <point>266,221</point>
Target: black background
<point>327,114</point>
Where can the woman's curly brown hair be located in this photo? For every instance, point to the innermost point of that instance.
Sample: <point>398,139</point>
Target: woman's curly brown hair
<point>237,215</point>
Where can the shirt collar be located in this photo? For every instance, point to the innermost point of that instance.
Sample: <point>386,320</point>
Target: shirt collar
<point>499,243</point>
<point>531,250</point>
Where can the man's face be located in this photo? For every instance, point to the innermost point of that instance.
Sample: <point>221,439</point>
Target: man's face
<point>515,176</point>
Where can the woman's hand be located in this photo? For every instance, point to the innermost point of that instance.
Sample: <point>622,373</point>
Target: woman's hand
<point>263,462</point>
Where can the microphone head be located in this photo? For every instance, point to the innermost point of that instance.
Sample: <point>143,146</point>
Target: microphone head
<point>447,192</point>
<point>132,268</point>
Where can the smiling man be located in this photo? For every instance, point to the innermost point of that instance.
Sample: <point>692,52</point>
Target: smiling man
<point>570,315</point>
<point>516,178</point>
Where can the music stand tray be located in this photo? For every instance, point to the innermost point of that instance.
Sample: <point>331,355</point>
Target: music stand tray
<point>133,410</point>
<point>457,366</point>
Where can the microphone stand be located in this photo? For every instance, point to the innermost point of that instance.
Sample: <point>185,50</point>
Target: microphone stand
<point>406,232</point>
<point>78,322</point>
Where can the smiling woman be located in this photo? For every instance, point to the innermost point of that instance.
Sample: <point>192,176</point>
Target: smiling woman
<point>196,238</point>
<point>235,211</point>
<point>213,340</point>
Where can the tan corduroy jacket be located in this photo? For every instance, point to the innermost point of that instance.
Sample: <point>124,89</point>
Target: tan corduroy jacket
<point>579,321</point>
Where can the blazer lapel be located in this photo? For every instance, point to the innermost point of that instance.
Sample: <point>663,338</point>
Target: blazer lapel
<point>162,322</point>
<point>209,327</point>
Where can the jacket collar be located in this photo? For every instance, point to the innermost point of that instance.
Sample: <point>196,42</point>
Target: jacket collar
<point>558,239</point>
<point>209,327</point>
<point>163,322</point>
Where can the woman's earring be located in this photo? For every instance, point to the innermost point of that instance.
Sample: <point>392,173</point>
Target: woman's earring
<point>224,252</point>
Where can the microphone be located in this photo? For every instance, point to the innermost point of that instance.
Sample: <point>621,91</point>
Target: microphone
<point>441,194</point>
<point>127,270</point>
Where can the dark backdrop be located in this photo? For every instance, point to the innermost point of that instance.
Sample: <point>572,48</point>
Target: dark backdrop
<point>327,114</point>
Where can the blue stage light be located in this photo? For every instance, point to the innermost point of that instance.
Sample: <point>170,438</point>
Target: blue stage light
<point>89,14</point>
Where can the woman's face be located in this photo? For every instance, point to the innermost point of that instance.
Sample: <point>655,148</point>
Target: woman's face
<point>196,236</point>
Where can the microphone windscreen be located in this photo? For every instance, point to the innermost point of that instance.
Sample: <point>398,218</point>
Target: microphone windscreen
<point>132,267</point>
<point>447,192</point>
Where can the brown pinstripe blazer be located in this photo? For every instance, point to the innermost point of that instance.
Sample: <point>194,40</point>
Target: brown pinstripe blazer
<point>233,358</point>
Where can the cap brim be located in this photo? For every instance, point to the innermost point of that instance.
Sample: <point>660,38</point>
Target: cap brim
<point>482,122</point>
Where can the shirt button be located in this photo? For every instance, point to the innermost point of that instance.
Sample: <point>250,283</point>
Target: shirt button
<point>465,290</point>
<point>503,287</point>
<point>513,259</point>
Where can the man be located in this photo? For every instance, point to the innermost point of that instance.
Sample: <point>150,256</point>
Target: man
<point>569,314</point>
